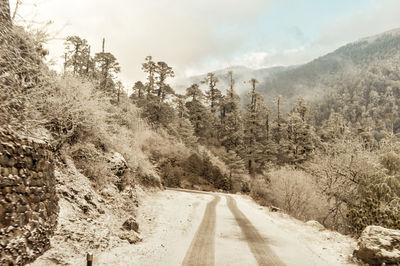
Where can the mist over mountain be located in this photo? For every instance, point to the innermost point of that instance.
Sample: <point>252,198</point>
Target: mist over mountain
<point>313,80</point>
<point>242,75</point>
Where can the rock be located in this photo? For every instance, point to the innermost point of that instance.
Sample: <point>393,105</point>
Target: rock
<point>84,208</point>
<point>274,209</point>
<point>315,224</point>
<point>118,164</point>
<point>131,237</point>
<point>378,245</point>
<point>130,224</point>
<point>88,197</point>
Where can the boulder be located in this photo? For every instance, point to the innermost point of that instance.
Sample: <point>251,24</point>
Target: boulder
<point>118,164</point>
<point>378,245</point>
<point>130,224</point>
<point>316,225</point>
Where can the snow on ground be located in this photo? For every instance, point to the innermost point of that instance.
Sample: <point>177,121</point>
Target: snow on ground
<point>291,237</point>
<point>88,221</point>
<point>230,243</point>
<point>168,221</point>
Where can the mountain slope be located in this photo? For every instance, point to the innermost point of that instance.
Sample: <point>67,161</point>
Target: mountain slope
<point>313,80</point>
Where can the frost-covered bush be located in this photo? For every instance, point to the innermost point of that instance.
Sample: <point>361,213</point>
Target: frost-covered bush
<point>72,110</point>
<point>379,196</point>
<point>75,112</point>
<point>260,190</point>
<point>362,186</point>
<point>93,164</point>
<point>21,71</point>
<point>296,192</point>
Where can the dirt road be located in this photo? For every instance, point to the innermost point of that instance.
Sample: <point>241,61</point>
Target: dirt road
<point>257,243</point>
<point>192,228</point>
<point>201,251</point>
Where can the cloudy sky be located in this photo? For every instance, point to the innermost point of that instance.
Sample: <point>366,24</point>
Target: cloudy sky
<point>198,36</point>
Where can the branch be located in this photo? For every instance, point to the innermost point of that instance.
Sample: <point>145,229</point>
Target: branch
<point>16,9</point>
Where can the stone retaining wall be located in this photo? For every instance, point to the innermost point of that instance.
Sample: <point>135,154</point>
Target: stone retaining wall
<point>28,201</point>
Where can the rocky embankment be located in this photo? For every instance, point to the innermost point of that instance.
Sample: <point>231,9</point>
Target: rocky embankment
<point>28,201</point>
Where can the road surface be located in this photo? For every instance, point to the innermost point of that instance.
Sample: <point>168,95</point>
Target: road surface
<point>182,227</point>
<point>201,250</point>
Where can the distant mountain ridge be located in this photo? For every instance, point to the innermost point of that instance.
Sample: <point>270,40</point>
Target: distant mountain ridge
<point>312,80</point>
<point>392,32</point>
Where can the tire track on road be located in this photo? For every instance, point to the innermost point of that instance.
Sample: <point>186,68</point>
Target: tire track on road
<point>258,245</point>
<point>202,248</point>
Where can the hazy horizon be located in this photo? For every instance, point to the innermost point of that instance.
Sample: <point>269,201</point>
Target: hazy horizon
<point>199,37</point>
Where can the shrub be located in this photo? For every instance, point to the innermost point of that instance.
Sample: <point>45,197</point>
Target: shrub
<point>260,190</point>
<point>362,187</point>
<point>76,114</point>
<point>93,164</point>
<point>291,190</point>
<point>371,212</point>
<point>171,175</point>
<point>71,110</point>
<point>21,70</point>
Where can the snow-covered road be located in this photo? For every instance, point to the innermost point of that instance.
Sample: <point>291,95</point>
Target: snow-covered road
<point>192,228</point>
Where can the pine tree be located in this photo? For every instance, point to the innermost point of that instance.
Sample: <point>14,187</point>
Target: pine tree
<point>138,91</point>
<point>255,134</point>
<point>180,106</point>
<point>199,115</point>
<point>237,170</point>
<point>213,95</point>
<point>186,131</point>
<point>77,55</point>
<point>149,67</point>
<point>183,125</point>
<point>294,136</point>
<point>164,71</point>
<point>195,93</point>
<point>155,110</point>
<point>300,135</point>
<point>120,90</point>
<point>107,68</point>
<point>231,128</point>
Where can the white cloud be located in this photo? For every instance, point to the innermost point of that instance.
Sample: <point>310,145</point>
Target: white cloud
<point>294,50</point>
<point>382,17</point>
<point>185,34</point>
<point>196,36</point>
<point>251,60</point>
